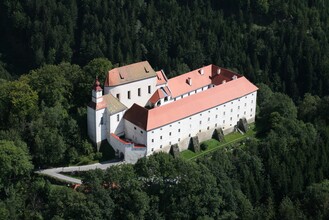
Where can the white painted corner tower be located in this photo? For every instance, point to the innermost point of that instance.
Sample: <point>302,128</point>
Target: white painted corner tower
<point>95,115</point>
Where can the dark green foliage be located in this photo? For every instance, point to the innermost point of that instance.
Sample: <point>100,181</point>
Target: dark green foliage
<point>282,45</point>
<point>203,146</point>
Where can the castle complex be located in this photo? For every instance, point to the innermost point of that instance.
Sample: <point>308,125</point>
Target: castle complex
<point>142,111</point>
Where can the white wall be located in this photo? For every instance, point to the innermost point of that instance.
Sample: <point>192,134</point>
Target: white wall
<point>131,153</point>
<point>133,87</point>
<point>135,133</point>
<point>116,123</point>
<point>224,116</point>
<point>96,120</point>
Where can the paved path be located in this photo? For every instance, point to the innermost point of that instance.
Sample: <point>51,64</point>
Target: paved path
<point>55,172</point>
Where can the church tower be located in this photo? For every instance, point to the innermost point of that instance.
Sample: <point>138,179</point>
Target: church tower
<point>96,115</point>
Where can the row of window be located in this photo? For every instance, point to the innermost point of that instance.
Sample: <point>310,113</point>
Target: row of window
<point>195,91</point>
<point>200,124</point>
<point>139,93</point>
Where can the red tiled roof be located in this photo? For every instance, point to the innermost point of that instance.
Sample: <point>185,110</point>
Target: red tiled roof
<point>182,108</point>
<point>179,85</point>
<point>129,73</point>
<point>159,94</point>
<point>161,78</point>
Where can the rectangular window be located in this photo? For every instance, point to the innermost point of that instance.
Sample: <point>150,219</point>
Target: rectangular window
<point>135,128</point>
<point>200,122</point>
<point>102,120</point>
<point>231,118</point>
<point>152,149</point>
<point>178,130</point>
<point>239,107</point>
<point>152,140</point>
<point>141,132</point>
<point>169,133</point>
<point>128,95</point>
<point>149,89</point>
<point>161,146</point>
<point>118,117</point>
<point>208,119</point>
<point>231,109</point>
<point>216,116</point>
<point>118,96</point>
<point>160,137</point>
<point>139,91</point>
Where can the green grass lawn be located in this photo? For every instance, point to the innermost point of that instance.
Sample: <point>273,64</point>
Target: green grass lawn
<point>215,145</point>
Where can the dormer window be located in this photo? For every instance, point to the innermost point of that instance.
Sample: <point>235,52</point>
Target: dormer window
<point>121,76</point>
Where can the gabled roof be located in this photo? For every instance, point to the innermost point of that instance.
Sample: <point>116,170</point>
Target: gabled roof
<point>161,78</point>
<point>137,115</point>
<point>129,73</point>
<point>191,105</point>
<point>159,94</point>
<point>199,78</point>
<point>112,104</point>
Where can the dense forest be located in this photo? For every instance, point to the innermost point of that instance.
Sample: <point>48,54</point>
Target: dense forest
<point>51,51</point>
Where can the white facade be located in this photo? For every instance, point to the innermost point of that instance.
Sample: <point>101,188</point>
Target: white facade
<point>96,125</point>
<point>225,116</point>
<point>111,116</point>
<point>138,92</point>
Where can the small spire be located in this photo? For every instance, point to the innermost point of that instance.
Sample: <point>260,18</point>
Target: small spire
<point>97,84</point>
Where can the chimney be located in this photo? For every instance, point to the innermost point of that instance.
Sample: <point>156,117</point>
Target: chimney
<point>189,81</point>
<point>201,71</point>
<point>234,77</point>
<point>224,81</point>
<point>218,71</point>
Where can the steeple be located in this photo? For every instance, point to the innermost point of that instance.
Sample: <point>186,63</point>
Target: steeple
<point>97,93</point>
<point>97,84</point>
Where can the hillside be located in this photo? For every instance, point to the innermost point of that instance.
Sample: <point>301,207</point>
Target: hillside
<point>50,52</point>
